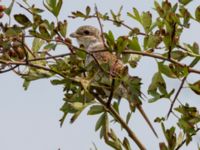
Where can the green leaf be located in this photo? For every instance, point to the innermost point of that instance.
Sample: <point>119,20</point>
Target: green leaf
<point>14,31</point>
<point>26,84</point>
<point>75,116</point>
<point>197,13</point>
<point>159,9</point>
<point>53,6</point>
<point>135,15</point>
<point>72,107</point>
<point>63,119</point>
<point>185,2</point>
<point>37,43</point>
<point>23,20</point>
<point>157,83</point>
<point>100,122</point>
<point>116,107</point>
<point>50,46</point>
<point>63,28</point>
<point>44,32</point>
<point>87,10</point>
<point>9,9</point>
<point>110,39</point>
<point>146,19</point>
<point>36,10</point>
<point>134,44</point>
<point>96,109</point>
<point>58,7</point>
<point>195,87</point>
<point>128,117</point>
<point>153,41</point>
<point>166,70</point>
<point>194,62</point>
<point>121,44</point>
<point>78,14</point>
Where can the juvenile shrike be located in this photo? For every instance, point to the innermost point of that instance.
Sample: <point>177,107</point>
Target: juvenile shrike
<point>90,38</point>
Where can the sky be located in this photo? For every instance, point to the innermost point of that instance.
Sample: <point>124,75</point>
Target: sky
<point>30,119</point>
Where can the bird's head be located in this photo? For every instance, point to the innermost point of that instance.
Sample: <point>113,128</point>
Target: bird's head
<point>87,35</point>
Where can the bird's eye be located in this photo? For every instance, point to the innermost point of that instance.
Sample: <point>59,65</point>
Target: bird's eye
<point>86,32</point>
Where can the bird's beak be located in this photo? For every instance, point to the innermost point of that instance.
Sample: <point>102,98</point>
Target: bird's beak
<point>74,35</point>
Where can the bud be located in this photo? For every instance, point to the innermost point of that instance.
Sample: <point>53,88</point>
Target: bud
<point>2,8</point>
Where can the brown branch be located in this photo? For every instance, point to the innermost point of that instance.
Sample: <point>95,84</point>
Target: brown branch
<point>157,56</point>
<point>112,111</point>
<point>100,24</point>
<point>25,8</point>
<point>176,96</point>
<point>143,53</point>
<point>10,69</point>
<point>50,57</point>
<point>22,63</point>
<point>179,46</point>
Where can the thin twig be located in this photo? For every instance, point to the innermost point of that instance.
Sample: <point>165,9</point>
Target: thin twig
<point>176,96</point>
<point>50,57</point>
<point>24,8</point>
<point>22,63</point>
<point>10,69</point>
<point>100,24</point>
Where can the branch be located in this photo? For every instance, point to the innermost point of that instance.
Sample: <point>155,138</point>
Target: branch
<point>176,96</point>
<point>50,57</point>
<point>100,24</point>
<point>22,63</point>
<point>143,53</point>
<point>127,51</point>
<point>25,8</point>
<point>10,69</point>
<point>121,121</point>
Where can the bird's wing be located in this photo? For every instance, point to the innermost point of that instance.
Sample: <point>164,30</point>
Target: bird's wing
<point>116,65</point>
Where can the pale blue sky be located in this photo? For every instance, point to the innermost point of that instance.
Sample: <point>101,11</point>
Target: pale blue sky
<point>29,119</point>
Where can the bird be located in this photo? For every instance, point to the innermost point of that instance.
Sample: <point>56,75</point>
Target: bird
<point>91,39</point>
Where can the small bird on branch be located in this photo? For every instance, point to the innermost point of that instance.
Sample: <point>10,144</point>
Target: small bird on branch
<point>90,38</point>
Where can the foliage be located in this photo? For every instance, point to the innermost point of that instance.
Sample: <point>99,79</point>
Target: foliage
<point>93,85</point>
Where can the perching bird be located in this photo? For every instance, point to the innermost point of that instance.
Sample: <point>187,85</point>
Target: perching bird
<point>90,38</point>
